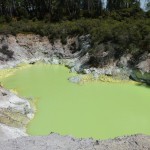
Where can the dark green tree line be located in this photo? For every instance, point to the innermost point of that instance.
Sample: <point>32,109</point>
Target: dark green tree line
<point>55,10</point>
<point>122,4</point>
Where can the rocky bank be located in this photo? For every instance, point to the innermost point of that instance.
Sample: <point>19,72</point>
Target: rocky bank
<point>75,54</point>
<point>16,112</point>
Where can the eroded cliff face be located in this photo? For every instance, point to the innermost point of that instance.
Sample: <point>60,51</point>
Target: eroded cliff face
<point>75,54</point>
<point>26,47</point>
<point>22,48</point>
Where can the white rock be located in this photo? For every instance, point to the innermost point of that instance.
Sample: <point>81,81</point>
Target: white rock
<point>7,132</point>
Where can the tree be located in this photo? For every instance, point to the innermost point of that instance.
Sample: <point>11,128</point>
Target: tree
<point>92,8</point>
<point>122,4</point>
<point>148,5</point>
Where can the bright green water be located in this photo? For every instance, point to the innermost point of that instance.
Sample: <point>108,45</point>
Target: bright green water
<point>98,110</point>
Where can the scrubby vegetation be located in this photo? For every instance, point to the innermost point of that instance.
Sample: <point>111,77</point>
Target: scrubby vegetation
<point>129,35</point>
<point>122,27</point>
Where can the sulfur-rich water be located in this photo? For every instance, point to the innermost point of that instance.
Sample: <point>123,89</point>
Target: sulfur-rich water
<point>98,110</point>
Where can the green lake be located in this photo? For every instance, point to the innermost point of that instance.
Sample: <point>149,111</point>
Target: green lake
<point>94,109</point>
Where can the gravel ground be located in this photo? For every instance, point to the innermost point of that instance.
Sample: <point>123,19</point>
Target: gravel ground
<point>57,142</point>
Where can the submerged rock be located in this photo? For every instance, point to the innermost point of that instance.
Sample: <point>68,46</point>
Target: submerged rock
<point>76,79</point>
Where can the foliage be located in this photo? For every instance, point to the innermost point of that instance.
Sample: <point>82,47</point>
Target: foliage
<point>56,10</point>
<point>120,28</point>
<point>128,34</point>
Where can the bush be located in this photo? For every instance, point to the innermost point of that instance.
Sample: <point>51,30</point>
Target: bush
<point>123,35</point>
<point>8,19</point>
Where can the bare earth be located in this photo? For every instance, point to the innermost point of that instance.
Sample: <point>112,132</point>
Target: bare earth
<point>57,142</point>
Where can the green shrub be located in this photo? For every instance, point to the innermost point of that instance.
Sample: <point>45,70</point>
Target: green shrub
<point>123,35</point>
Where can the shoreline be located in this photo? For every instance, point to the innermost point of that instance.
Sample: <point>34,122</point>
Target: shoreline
<point>23,55</point>
<point>85,78</point>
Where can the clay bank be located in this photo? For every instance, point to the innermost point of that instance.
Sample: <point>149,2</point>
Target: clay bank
<point>16,113</point>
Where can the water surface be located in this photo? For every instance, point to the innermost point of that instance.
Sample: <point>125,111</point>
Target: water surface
<point>98,110</point>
